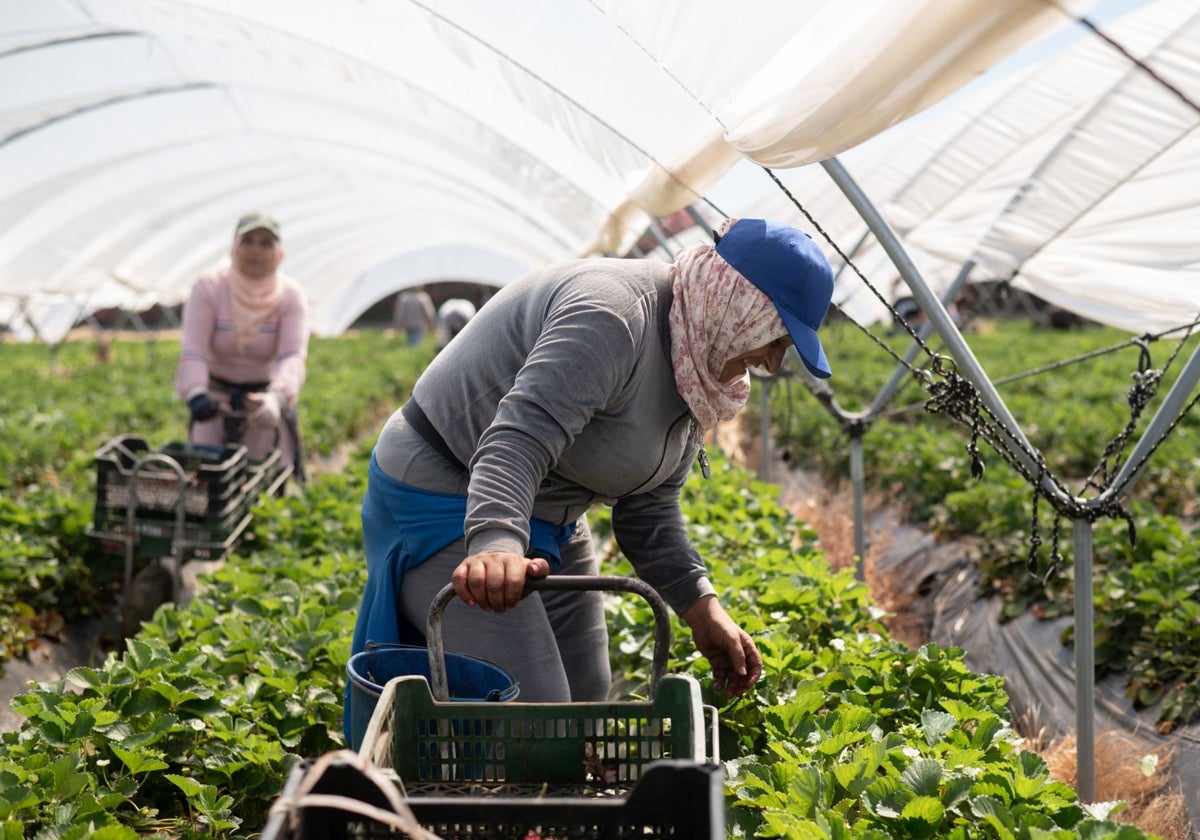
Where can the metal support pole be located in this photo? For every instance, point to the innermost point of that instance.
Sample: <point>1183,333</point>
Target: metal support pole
<point>973,371</point>
<point>26,316</point>
<point>699,220</point>
<point>764,430</point>
<point>657,233</point>
<point>139,324</point>
<point>1085,664</point>
<point>938,316</point>
<point>857,482</point>
<point>173,320</point>
<point>1172,405</point>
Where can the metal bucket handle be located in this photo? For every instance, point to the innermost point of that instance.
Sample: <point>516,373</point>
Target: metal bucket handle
<point>439,683</point>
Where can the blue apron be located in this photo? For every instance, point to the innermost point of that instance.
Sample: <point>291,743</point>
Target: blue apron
<point>403,526</point>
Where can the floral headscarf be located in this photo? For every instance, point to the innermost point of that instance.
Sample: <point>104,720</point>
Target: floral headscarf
<point>716,314</point>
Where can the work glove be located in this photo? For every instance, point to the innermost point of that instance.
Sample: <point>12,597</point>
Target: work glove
<point>203,407</point>
<point>270,406</point>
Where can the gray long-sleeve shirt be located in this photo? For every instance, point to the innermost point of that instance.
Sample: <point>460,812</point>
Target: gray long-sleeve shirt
<point>559,395</point>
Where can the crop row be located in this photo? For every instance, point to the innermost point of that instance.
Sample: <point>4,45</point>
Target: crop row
<point>1082,399</point>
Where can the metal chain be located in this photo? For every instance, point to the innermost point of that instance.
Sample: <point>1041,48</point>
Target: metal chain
<point>955,397</point>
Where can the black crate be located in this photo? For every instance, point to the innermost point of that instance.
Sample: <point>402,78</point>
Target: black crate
<point>210,484</point>
<point>267,475</point>
<point>154,534</point>
<point>205,536</point>
<point>337,798</point>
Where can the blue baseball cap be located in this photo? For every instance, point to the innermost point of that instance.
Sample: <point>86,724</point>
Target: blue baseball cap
<point>788,267</point>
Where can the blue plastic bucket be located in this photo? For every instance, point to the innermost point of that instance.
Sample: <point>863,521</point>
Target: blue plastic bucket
<point>468,679</point>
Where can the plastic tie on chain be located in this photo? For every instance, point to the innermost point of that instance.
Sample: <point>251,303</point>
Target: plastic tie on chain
<point>943,365</point>
<point>923,377</point>
<point>977,466</point>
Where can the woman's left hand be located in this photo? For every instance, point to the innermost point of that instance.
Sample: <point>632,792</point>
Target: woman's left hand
<point>736,663</point>
<point>265,407</point>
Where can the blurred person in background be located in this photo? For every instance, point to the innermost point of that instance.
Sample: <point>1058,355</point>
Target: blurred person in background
<point>414,314</point>
<point>452,316</point>
<point>587,382</point>
<point>244,348</point>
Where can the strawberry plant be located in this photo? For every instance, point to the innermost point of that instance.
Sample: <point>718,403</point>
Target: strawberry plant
<point>848,733</point>
<point>1071,414</point>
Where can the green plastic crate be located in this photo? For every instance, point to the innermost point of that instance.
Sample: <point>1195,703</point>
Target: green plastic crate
<point>156,536</point>
<point>513,770</point>
<point>587,745</point>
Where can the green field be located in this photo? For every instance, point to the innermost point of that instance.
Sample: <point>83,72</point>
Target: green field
<point>192,729</point>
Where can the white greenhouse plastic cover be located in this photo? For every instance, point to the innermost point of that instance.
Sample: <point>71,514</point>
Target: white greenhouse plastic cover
<point>402,142</point>
<point>1078,177</point>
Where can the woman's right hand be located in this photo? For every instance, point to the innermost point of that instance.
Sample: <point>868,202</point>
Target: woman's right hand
<point>202,407</point>
<point>496,580</point>
<point>735,660</point>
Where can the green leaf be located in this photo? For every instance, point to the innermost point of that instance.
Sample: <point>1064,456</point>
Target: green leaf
<point>852,719</point>
<point>935,725</point>
<point>1032,765</point>
<point>190,787</point>
<point>106,718</point>
<point>114,832</point>
<point>988,730</point>
<point>923,776</point>
<point>138,762</point>
<point>805,790</point>
<point>995,814</point>
<point>83,678</point>
<point>13,799</point>
<point>847,774</point>
<point>957,789</point>
<point>992,785</point>
<point>887,797</point>
<point>834,744</point>
<point>67,781</point>
<point>926,809</point>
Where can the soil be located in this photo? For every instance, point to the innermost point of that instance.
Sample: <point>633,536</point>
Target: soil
<point>74,645</point>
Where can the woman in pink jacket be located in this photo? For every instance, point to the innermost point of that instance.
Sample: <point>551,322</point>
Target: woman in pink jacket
<point>245,345</point>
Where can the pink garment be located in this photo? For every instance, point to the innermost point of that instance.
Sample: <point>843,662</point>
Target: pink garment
<point>275,353</point>
<point>274,350</point>
<point>716,314</point>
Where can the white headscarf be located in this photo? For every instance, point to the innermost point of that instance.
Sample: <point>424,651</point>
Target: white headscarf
<point>253,300</point>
